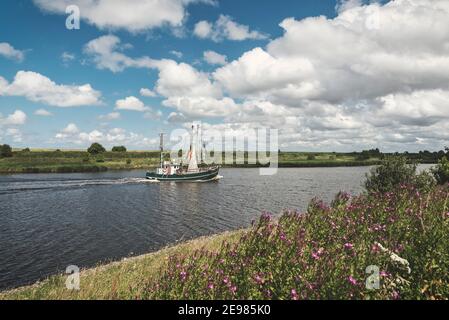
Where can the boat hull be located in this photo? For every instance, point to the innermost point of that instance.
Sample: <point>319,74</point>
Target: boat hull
<point>198,176</point>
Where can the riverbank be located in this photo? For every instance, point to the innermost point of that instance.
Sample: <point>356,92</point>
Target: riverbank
<point>125,279</point>
<point>400,236</point>
<point>56,161</point>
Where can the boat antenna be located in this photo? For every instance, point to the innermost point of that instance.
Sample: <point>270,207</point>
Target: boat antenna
<point>161,146</point>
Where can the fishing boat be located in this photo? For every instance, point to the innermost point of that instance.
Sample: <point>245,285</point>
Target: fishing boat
<point>177,172</point>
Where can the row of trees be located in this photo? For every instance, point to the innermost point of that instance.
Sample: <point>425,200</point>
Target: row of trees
<point>96,148</point>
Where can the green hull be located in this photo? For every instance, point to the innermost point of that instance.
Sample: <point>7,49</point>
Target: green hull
<point>200,176</point>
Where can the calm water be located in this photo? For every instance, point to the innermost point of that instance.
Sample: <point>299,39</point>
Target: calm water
<point>50,221</point>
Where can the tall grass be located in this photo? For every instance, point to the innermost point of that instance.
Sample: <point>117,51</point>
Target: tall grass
<point>324,253</point>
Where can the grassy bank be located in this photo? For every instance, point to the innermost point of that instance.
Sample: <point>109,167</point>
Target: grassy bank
<point>41,161</point>
<point>321,254</point>
<point>118,280</point>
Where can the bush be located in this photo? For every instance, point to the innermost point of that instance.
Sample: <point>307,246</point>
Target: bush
<point>311,157</point>
<point>96,148</point>
<point>26,150</point>
<point>441,171</point>
<point>393,172</point>
<point>5,151</point>
<point>128,161</point>
<point>119,149</point>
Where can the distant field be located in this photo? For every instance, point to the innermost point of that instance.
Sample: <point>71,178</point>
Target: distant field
<point>54,160</point>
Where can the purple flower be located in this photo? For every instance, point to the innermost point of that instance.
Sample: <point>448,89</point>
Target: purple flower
<point>395,295</point>
<point>258,279</point>
<point>294,295</point>
<point>352,280</point>
<point>210,286</point>
<point>349,246</point>
<point>317,254</point>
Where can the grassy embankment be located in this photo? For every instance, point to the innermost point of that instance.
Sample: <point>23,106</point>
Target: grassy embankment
<point>321,254</point>
<point>37,161</point>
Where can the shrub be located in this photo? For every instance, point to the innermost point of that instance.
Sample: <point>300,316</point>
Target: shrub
<point>119,149</point>
<point>391,173</point>
<point>26,150</point>
<point>128,161</point>
<point>96,148</point>
<point>311,157</point>
<point>441,171</point>
<point>5,151</point>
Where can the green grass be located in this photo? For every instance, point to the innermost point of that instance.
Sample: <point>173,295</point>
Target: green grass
<point>125,279</point>
<point>320,254</point>
<point>45,160</point>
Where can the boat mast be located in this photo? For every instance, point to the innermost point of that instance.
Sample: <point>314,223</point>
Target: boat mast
<point>161,146</point>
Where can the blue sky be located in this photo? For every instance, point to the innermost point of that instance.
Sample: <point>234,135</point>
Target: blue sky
<point>35,39</point>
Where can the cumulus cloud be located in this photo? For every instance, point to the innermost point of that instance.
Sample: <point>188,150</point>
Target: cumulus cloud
<point>9,52</point>
<point>9,126</point>
<point>107,137</point>
<point>131,104</point>
<point>14,119</point>
<point>375,75</point>
<point>214,58</point>
<point>226,28</point>
<point>43,113</point>
<point>339,80</point>
<point>38,88</point>
<point>106,53</point>
<point>130,15</point>
<point>147,93</point>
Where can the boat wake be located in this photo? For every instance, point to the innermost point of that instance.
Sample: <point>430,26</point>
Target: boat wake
<point>36,185</point>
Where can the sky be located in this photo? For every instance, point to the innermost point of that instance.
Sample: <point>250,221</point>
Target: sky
<point>329,75</point>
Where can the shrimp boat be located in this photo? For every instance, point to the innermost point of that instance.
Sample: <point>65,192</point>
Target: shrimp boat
<point>177,172</point>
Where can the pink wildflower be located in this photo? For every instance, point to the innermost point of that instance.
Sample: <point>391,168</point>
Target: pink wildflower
<point>352,280</point>
<point>294,295</point>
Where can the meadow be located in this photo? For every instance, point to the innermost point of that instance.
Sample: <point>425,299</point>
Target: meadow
<point>56,161</point>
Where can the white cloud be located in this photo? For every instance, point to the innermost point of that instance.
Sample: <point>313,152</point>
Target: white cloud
<point>9,52</point>
<point>181,79</point>
<point>130,15</point>
<point>177,54</point>
<point>66,57</point>
<point>147,93</point>
<point>226,28</point>
<point>132,104</point>
<point>107,137</point>
<point>334,82</point>
<point>203,29</point>
<point>375,75</point>
<point>38,88</point>
<point>110,116</point>
<point>70,129</point>
<point>105,52</point>
<point>43,113</point>
<point>343,5</point>
<point>214,58</point>
<point>14,119</point>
